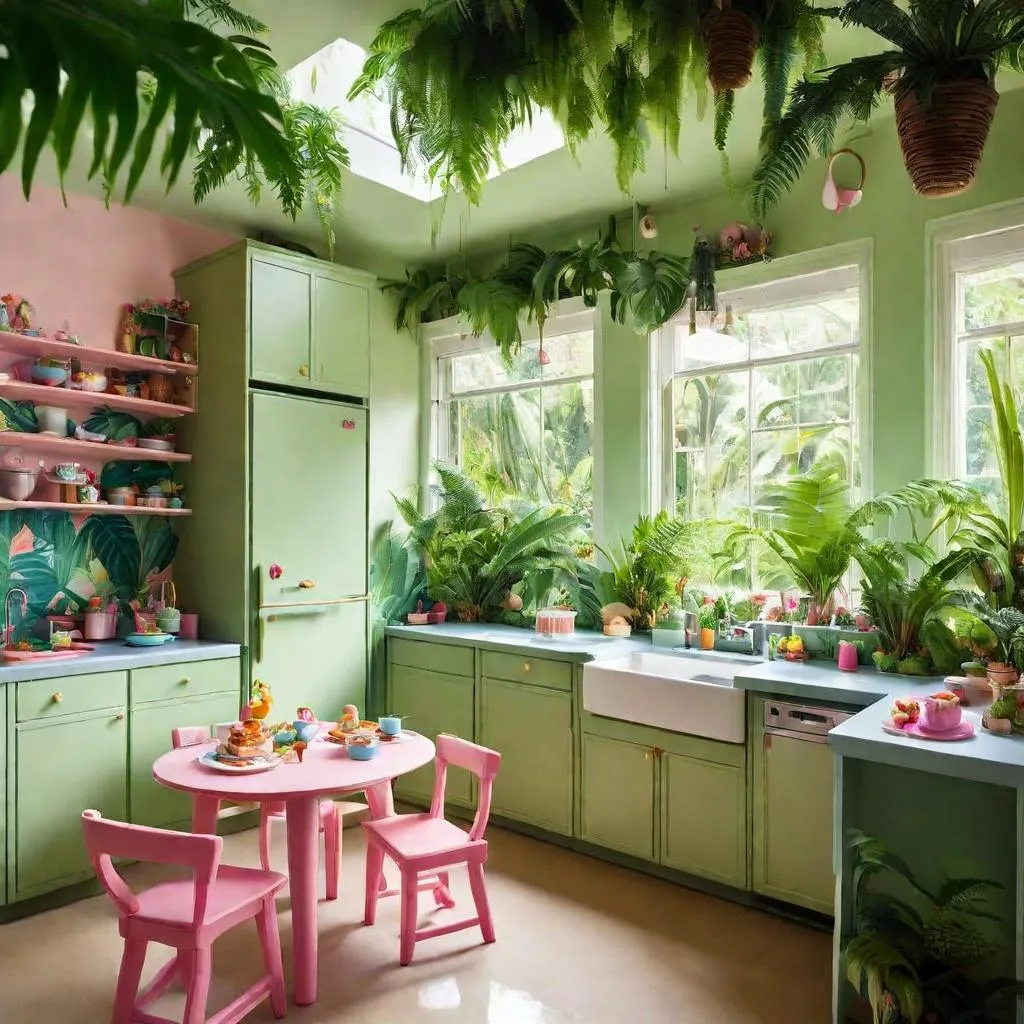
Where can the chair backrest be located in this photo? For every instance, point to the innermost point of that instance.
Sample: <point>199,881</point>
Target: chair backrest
<point>481,761</point>
<point>109,839</point>
<point>189,736</point>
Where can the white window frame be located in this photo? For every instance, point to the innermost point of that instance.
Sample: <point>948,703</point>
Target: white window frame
<point>788,278</point>
<point>445,338</point>
<point>965,243</point>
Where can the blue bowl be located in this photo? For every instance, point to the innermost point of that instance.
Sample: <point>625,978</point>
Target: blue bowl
<point>390,725</point>
<point>51,375</point>
<point>360,753</point>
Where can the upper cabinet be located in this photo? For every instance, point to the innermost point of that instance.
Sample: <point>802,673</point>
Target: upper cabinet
<point>309,324</point>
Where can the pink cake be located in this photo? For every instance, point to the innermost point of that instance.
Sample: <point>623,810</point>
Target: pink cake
<point>556,622</point>
<point>941,712</point>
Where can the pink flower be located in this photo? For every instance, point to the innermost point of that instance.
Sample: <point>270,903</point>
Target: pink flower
<point>791,603</point>
<point>708,599</point>
<point>759,600</point>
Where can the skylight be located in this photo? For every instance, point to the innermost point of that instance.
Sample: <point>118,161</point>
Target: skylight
<point>325,79</point>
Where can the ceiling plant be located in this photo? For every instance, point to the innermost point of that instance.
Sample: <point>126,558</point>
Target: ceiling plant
<point>64,60</point>
<point>939,67</point>
<point>424,296</point>
<point>649,289</point>
<point>462,76</point>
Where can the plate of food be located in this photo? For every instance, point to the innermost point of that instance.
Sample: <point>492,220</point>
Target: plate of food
<point>222,762</point>
<point>247,749</point>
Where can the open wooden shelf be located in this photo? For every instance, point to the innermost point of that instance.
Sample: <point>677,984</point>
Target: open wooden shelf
<point>6,505</point>
<point>48,348</point>
<point>23,391</point>
<point>67,449</point>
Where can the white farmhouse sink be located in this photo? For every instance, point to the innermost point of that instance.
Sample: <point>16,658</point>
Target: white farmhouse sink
<point>676,693</point>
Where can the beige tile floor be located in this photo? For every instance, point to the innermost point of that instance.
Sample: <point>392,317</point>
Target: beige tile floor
<point>579,942</point>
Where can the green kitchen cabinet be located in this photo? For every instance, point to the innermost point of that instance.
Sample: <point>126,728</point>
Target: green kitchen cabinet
<point>703,818</point>
<point>309,324</point>
<point>792,820</point>
<point>61,767</point>
<point>434,703</point>
<point>149,803</point>
<point>617,798</point>
<point>341,335</point>
<point>532,728</point>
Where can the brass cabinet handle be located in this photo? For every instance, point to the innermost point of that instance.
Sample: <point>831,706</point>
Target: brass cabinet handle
<point>304,370</point>
<point>58,697</point>
<point>648,754</point>
<point>527,666</point>
<point>119,717</point>
<point>307,584</point>
<point>186,681</point>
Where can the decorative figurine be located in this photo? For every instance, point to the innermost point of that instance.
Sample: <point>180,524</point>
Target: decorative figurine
<point>260,702</point>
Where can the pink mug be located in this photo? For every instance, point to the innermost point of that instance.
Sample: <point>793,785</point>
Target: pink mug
<point>847,656</point>
<point>189,628</point>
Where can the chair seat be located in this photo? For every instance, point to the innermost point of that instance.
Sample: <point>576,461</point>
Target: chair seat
<point>415,836</point>
<point>171,903</point>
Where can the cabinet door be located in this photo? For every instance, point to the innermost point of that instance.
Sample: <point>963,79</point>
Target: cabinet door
<point>793,796</point>
<point>618,795</point>
<point>313,657</point>
<point>63,767</point>
<point>532,728</point>
<point>280,329</point>
<point>703,819</point>
<point>341,337</point>
<point>308,498</point>
<point>149,802</point>
<point>434,703</point>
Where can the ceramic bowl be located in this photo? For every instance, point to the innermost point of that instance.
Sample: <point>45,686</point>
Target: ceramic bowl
<point>51,376</point>
<point>390,725</point>
<point>17,484</point>
<point>363,748</point>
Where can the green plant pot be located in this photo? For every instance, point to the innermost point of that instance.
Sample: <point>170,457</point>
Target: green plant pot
<point>974,670</point>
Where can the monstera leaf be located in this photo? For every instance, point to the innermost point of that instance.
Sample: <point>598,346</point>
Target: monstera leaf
<point>649,290</point>
<point>131,550</point>
<point>55,567</point>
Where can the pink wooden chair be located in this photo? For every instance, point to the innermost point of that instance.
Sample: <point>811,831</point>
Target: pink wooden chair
<point>427,844</point>
<point>330,820</point>
<point>187,915</point>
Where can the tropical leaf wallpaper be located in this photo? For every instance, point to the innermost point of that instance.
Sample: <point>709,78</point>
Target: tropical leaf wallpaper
<point>61,561</point>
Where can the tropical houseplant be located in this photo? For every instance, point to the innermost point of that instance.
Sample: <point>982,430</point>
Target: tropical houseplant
<point>939,67</point>
<point>462,77</point>
<point>907,611</point>
<point>130,65</point>
<point>913,950</point>
<point>474,555</point>
<point>647,569</point>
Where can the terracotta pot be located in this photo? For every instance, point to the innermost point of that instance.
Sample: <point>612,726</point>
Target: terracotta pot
<point>707,639</point>
<point>731,38</point>
<point>942,142</point>
<point>1000,674</point>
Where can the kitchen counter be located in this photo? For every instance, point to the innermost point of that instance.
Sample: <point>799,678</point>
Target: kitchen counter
<point>117,656</point>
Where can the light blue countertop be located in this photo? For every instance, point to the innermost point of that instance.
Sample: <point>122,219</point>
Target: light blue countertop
<point>117,656</point>
<point>985,757</point>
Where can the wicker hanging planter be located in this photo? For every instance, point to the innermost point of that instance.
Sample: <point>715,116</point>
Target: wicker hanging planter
<point>731,38</point>
<point>942,142</point>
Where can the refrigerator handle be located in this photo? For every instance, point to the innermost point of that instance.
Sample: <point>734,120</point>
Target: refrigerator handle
<point>259,624</point>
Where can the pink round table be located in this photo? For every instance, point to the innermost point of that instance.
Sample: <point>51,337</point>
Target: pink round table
<point>325,771</point>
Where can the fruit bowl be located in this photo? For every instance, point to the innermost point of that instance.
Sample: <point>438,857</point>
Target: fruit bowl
<point>49,376</point>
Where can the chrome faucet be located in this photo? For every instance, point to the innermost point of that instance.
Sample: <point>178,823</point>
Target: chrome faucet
<point>7,611</point>
<point>757,637</point>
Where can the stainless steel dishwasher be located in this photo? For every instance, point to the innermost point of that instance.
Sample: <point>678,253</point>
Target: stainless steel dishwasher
<point>793,798</point>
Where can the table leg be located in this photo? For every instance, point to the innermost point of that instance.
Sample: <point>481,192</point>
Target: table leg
<point>303,821</point>
<point>204,814</point>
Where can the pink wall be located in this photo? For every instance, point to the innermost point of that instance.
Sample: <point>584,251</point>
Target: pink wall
<point>81,263</point>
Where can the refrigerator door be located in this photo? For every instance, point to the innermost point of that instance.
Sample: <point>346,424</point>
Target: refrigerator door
<point>308,500</point>
<point>313,657</point>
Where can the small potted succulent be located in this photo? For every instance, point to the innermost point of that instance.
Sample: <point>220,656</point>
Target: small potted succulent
<point>158,435</point>
<point>707,621</point>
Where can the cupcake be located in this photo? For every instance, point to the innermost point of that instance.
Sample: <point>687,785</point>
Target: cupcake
<point>941,712</point>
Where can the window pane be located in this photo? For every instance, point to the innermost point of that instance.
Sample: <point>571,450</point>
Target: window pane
<point>707,348</point>
<point>992,297</point>
<point>711,444</point>
<point>789,330</point>
<point>824,390</point>
<point>571,355</point>
<point>568,456</point>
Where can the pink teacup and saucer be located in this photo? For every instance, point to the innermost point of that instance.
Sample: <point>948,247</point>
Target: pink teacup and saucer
<point>942,718</point>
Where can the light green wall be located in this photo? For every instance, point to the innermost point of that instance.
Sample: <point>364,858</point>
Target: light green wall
<point>895,220</point>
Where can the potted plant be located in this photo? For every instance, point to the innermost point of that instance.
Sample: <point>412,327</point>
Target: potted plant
<point>997,635</point>
<point>707,622</point>
<point>905,609</point>
<point>912,950</point>
<point>158,435</point>
<point>938,64</point>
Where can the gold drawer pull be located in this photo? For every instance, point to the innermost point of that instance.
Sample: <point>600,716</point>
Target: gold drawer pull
<point>527,666</point>
<point>307,584</point>
<point>119,717</point>
<point>186,681</point>
<point>304,370</point>
<point>58,697</point>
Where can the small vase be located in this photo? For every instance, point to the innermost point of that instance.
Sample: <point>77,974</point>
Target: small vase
<point>707,639</point>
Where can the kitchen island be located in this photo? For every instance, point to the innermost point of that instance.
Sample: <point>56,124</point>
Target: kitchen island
<point>717,815</point>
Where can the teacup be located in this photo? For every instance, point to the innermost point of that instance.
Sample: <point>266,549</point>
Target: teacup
<point>306,731</point>
<point>67,471</point>
<point>390,725</point>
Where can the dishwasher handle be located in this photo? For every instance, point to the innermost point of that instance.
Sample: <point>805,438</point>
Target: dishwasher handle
<point>802,721</point>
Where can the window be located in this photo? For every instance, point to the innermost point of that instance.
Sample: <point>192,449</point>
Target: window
<point>987,292</point>
<point>525,431</point>
<point>768,399</point>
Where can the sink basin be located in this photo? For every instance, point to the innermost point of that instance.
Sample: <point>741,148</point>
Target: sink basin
<point>676,693</point>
